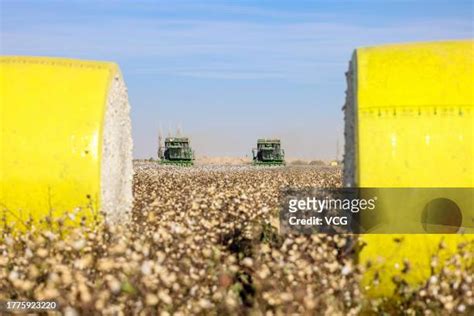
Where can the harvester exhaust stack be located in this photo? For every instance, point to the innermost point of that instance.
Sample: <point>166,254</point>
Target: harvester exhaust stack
<point>160,144</point>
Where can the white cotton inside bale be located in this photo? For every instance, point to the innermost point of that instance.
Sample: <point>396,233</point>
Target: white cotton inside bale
<point>116,165</point>
<point>350,126</point>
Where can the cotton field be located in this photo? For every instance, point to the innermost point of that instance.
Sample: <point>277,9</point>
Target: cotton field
<point>205,240</point>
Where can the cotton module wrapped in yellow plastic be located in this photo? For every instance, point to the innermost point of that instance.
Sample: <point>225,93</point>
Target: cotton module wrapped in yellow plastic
<point>65,139</point>
<point>409,123</point>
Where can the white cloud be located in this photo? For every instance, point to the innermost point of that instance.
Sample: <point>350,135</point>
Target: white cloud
<point>278,50</point>
<point>237,43</point>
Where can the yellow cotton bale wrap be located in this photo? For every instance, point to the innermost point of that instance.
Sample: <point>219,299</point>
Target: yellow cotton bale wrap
<point>65,140</point>
<point>410,123</point>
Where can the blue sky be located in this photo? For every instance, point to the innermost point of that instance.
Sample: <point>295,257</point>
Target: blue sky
<point>229,72</point>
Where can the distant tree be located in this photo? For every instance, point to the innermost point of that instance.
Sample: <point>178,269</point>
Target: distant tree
<point>299,162</point>
<point>317,163</point>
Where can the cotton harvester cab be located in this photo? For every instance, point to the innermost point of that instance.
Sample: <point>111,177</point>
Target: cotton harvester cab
<point>176,152</point>
<point>268,152</point>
